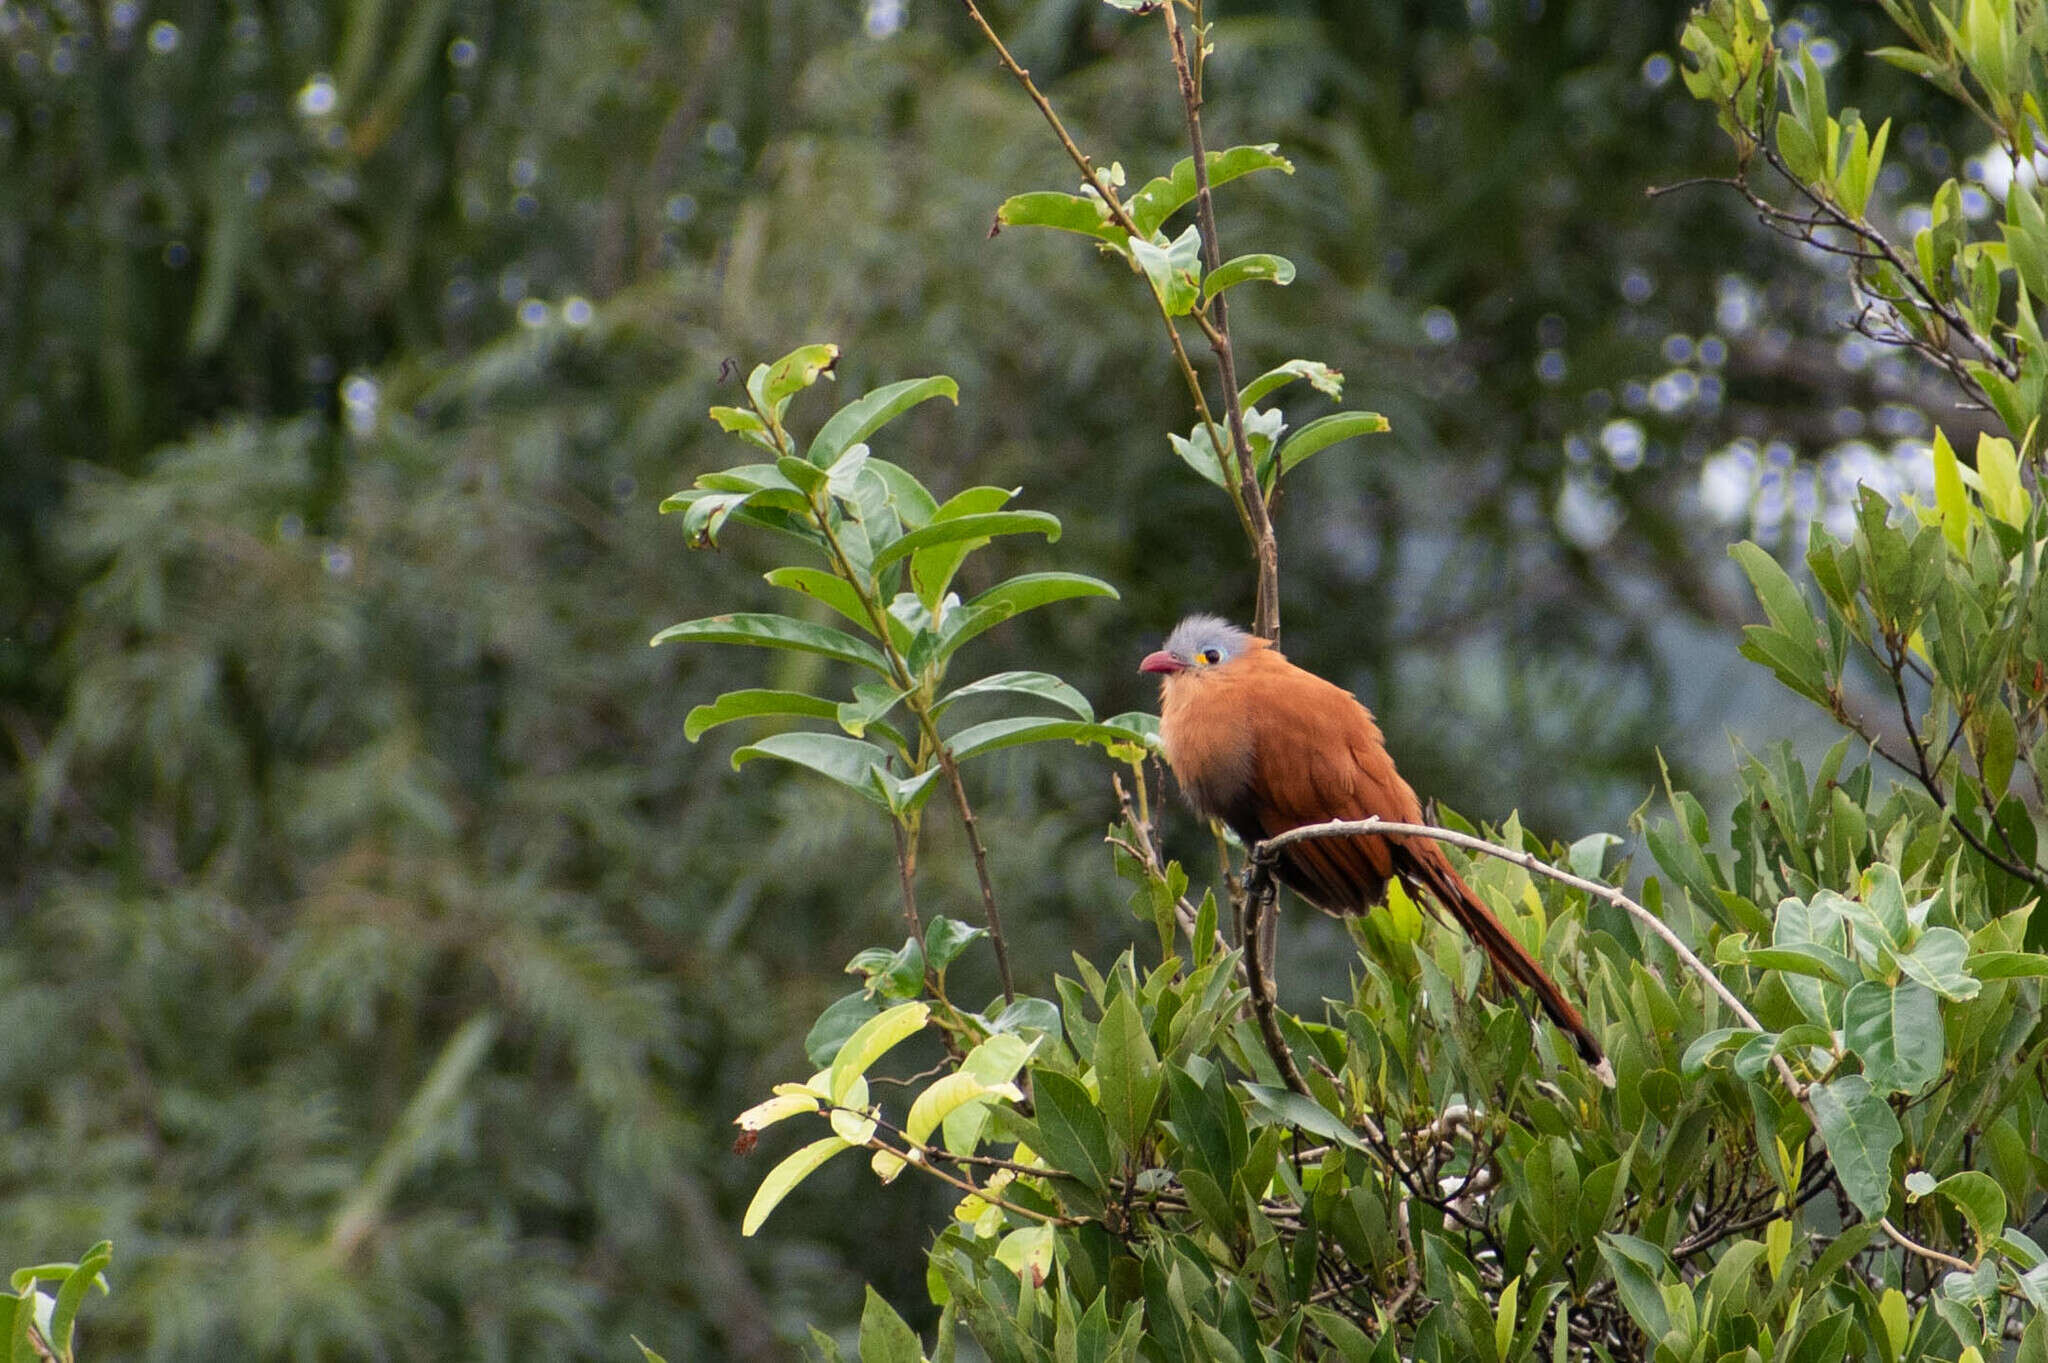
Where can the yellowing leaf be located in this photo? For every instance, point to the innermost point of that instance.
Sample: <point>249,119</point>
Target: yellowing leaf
<point>854,1125</point>
<point>768,1113</point>
<point>1027,1253</point>
<point>785,1176</point>
<point>1951,503</point>
<point>887,1164</point>
<point>1404,919</point>
<point>870,1042</point>
<point>1999,468</point>
<point>935,1102</point>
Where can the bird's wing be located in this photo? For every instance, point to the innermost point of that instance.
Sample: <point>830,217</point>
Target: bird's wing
<point>1320,757</point>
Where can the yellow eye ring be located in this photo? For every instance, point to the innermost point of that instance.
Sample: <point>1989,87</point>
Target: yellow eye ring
<point>1209,656</point>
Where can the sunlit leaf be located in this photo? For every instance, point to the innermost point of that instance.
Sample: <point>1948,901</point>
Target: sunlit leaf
<point>1320,376</point>
<point>784,1178</point>
<point>1042,685</point>
<point>778,631</point>
<point>1323,432</point>
<point>1067,212</point>
<point>1159,198</point>
<point>751,705</point>
<point>865,415</point>
<point>1275,269</point>
<point>874,1039</point>
<point>842,759</point>
<point>1174,269</point>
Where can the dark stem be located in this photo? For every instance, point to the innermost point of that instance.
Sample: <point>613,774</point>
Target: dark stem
<point>988,889</point>
<point>1266,620</point>
<point>1259,893</point>
<point>906,866</point>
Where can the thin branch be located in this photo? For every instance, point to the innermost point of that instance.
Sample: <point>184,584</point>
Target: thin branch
<point>1216,326</point>
<point>1267,851</point>
<point>1259,894</point>
<point>906,866</point>
<point>988,889</point>
<point>1119,215</point>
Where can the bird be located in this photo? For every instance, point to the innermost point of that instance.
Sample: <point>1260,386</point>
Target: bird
<point>1266,746</point>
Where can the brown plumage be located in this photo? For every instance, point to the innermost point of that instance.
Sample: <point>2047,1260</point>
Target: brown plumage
<point>1265,746</point>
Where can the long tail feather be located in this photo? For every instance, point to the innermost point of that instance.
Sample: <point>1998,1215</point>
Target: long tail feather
<point>1426,864</point>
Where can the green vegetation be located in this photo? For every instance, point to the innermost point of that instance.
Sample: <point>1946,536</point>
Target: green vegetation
<point>385,963</point>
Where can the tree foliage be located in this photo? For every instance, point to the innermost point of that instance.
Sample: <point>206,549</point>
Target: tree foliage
<point>1824,1144</point>
<point>379,972</point>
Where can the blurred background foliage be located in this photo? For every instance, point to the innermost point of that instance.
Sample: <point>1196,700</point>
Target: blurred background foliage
<point>381,968</point>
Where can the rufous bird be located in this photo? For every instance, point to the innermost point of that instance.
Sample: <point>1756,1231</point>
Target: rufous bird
<point>1266,747</point>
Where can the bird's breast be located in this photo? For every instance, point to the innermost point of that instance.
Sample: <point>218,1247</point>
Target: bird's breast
<point>1207,734</point>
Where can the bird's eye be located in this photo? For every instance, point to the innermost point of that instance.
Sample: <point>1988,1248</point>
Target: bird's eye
<point>1210,656</point>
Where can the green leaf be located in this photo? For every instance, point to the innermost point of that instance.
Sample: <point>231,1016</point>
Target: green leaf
<point>884,1338</point>
<point>1277,269</point>
<point>2008,965</point>
<point>995,734</point>
<point>1288,1108</point>
<point>1909,59</point>
<point>1804,958</point>
<point>979,527</point>
<point>1980,1200</point>
<point>1781,598</point>
<point>1040,1015</point>
<point>778,631</point>
<point>1640,1270</point>
<point>1589,854</point>
<point>862,417</point>
<point>774,385</point>
<point>910,500</point>
<point>1897,1034</point>
<point>751,705</point>
<point>1128,1071</point>
<point>871,1041</point>
<point>71,1295</point>
<point>871,701</point>
<point>1998,747</point>
<point>1326,431</point>
<point>1320,376</point>
<point>745,424</point>
<point>1199,453</point>
<point>993,1064</point>
<point>842,759</point>
<point>831,590</point>
<point>1860,1132</point>
<point>1950,501</point>
<point>1160,197</point>
<point>1173,269</point>
<point>946,938</point>
<point>1708,1045</point>
<point>836,1024</point>
<point>903,794</point>
<point>1938,960</point>
<point>2005,496</point>
<point>20,1350</point>
<point>897,974</point>
<point>1043,685</point>
<point>1076,1137</point>
<point>784,1177</point>
<point>1082,213</point>
<point>647,1355</point>
<point>1029,591</point>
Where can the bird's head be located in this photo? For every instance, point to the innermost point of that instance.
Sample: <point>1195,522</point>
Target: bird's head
<point>1197,644</point>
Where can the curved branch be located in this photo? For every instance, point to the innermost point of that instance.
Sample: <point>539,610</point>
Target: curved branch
<point>1264,854</point>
